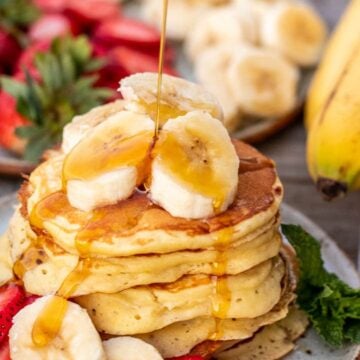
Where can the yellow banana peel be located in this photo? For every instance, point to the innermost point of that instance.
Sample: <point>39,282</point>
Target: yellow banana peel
<point>339,49</point>
<point>333,111</point>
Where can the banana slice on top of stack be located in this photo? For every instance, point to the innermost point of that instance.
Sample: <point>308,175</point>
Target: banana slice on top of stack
<point>192,148</point>
<point>197,141</point>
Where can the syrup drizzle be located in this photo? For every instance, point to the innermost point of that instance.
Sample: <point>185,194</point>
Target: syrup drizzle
<point>222,293</point>
<point>50,319</point>
<point>161,66</point>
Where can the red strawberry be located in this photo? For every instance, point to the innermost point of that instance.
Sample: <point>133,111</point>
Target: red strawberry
<point>132,61</point>
<point>188,357</point>
<point>10,120</point>
<point>129,32</point>
<point>89,12</point>
<point>50,26</point>
<point>51,6</point>
<point>29,300</point>
<point>12,299</point>
<point>9,50</point>
<point>5,351</point>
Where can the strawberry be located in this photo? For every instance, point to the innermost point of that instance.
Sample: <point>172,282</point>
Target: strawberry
<point>128,32</point>
<point>5,351</point>
<point>49,27</point>
<point>12,300</point>
<point>29,300</point>
<point>51,6</point>
<point>9,50</point>
<point>10,120</point>
<point>133,61</point>
<point>90,12</point>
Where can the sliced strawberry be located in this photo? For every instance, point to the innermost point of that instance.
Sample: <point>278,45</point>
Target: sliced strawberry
<point>51,6</point>
<point>129,32</point>
<point>9,50</point>
<point>50,26</point>
<point>30,299</point>
<point>10,120</point>
<point>132,61</point>
<point>12,299</point>
<point>90,12</point>
<point>5,350</point>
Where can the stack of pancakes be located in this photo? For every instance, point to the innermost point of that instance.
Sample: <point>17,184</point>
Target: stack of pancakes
<point>181,285</point>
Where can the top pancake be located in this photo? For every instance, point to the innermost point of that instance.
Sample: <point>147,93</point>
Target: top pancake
<point>137,226</point>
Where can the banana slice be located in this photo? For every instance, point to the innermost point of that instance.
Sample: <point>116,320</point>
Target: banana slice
<point>77,337</point>
<point>195,167</point>
<point>6,263</point>
<point>81,125</point>
<point>178,96</point>
<point>209,70</point>
<point>295,30</point>
<point>181,16</point>
<point>219,26</point>
<point>263,82</point>
<point>126,348</point>
<point>106,166</point>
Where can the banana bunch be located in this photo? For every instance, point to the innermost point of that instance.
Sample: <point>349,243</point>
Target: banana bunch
<point>333,111</point>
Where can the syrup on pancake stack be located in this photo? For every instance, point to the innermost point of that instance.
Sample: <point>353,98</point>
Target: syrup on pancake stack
<point>174,240</point>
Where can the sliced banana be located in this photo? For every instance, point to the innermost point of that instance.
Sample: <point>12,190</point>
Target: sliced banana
<point>209,70</point>
<point>219,26</point>
<point>182,14</point>
<point>295,30</point>
<point>126,348</point>
<point>106,166</point>
<point>178,96</point>
<point>77,337</point>
<point>195,167</point>
<point>6,263</point>
<point>263,82</point>
<point>81,125</point>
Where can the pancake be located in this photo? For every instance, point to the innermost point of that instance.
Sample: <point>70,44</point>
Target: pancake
<point>137,226</point>
<point>147,308</point>
<point>45,266</point>
<point>272,342</point>
<point>197,335</point>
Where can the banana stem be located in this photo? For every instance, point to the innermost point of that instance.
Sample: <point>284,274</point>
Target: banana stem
<point>331,189</point>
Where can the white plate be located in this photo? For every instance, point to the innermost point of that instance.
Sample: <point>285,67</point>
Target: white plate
<point>310,346</point>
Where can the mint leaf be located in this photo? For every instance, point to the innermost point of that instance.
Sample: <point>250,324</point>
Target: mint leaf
<point>332,306</point>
